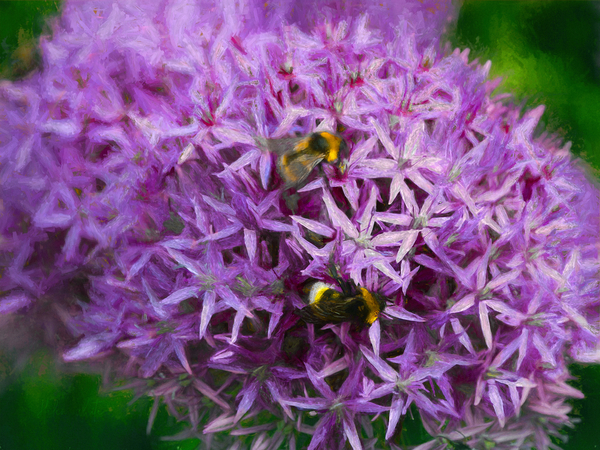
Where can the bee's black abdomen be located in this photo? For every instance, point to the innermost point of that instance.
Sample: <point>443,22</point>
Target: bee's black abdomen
<point>357,309</point>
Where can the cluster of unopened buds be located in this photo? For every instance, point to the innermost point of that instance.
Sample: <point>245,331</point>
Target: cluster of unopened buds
<point>297,234</point>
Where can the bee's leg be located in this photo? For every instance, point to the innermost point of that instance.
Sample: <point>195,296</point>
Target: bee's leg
<point>345,285</point>
<point>332,267</point>
<point>291,201</point>
<point>321,171</point>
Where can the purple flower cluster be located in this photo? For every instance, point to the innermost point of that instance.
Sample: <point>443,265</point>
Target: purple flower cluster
<point>136,202</point>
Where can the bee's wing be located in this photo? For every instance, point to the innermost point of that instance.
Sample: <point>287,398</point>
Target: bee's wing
<point>348,287</point>
<point>282,146</point>
<point>295,167</point>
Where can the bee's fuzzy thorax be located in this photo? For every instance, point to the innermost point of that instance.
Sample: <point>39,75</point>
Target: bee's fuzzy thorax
<point>317,290</point>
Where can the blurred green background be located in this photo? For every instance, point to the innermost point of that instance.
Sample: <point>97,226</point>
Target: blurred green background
<point>547,52</point>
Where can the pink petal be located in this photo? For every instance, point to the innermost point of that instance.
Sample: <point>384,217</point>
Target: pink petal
<point>375,336</point>
<point>384,138</point>
<point>350,433</point>
<point>208,306</point>
<point>250,394</point>
<point>14,302</point>
<point>338,218</point>
<point>180,352</point>
<point>315,227</point>
<point>485,324</point>
<point>250,242</point>
<point>395,414</point>
<point>496,400</point>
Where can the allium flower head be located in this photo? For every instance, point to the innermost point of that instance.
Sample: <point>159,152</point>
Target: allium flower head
<point>137,200</point>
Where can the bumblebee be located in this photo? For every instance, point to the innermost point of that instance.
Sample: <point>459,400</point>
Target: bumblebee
<point>353,304</point>
<point>298,156</point>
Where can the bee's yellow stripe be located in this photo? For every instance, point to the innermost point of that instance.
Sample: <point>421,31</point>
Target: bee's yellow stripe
<point>334,146</point>
<point>317,291</point>
<point>372,305</point>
